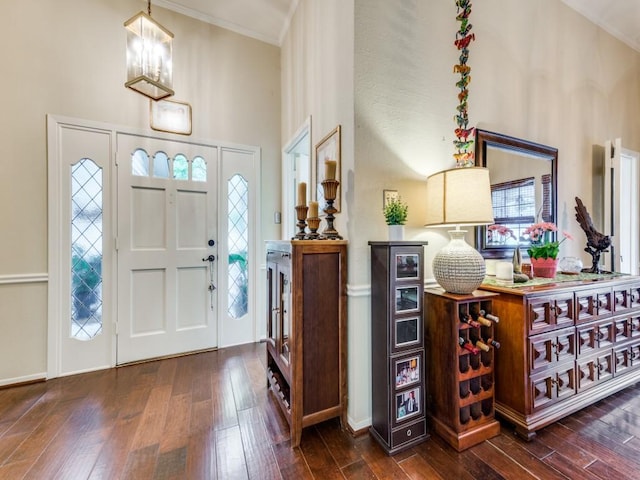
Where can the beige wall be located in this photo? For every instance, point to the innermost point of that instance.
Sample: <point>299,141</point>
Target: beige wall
<point>66,57</point>
<point>539,71</point>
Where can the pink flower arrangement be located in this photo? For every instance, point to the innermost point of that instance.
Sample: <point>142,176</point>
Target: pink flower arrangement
<point>500,233</point>
<point>542,245</point>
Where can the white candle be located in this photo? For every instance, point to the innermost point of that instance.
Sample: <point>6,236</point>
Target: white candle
<point>504,271</point>
<point>490,266</point>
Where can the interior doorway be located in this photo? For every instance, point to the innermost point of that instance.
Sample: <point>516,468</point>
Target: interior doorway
<point>622,208</point>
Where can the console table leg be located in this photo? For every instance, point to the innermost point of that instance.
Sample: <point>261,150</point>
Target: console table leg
<point>525,434</point>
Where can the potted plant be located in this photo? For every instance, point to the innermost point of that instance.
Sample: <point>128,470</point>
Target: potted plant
<point>395,214</point>
<point>543,250</point>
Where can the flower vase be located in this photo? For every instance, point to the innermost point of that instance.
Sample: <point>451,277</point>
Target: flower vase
<point>396,232</point>
<point>544,267</point>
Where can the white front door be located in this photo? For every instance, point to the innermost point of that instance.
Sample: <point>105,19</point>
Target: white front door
<point>167,209</point>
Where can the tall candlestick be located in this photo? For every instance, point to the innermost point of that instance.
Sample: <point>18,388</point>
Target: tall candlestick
<point>302,193</point>
<point>313,209</point>
<point>329,169</point>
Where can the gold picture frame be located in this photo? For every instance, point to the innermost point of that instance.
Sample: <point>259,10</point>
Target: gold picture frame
<point>327,149</point>
<point>170,116</point>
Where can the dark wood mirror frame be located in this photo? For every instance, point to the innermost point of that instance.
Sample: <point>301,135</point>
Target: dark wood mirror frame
<point>525,149</point>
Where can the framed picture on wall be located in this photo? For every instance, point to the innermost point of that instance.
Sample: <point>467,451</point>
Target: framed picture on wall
<point>170,116</point>
<point>327,149</point>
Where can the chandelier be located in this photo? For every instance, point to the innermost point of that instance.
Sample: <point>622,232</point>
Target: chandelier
<point>149,50</point>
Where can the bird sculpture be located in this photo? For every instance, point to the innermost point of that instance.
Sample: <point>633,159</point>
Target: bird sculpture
<point>597,242</point>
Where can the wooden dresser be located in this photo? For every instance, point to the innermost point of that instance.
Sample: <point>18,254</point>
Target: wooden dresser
<point>307,330</point>
<point>564,346</point>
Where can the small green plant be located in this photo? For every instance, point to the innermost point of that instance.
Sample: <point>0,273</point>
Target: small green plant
<point>395,212</point>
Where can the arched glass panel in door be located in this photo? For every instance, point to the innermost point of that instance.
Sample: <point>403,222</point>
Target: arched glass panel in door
<point>86,250</point>
<point>180,167</point>
<point>199,170</point>
<point>140,163</point>
<point>238,242</point>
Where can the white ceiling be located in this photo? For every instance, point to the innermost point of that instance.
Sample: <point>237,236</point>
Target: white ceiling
<point>268,20</point>
<point>621,18</point>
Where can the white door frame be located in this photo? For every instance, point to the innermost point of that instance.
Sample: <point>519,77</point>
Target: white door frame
<point>57,269</point>
<point>295,169</point>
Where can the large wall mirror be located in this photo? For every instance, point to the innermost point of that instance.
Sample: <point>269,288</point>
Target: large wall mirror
<point>523,190</point>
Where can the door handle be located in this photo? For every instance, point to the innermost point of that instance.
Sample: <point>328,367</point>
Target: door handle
<point>210,258</point>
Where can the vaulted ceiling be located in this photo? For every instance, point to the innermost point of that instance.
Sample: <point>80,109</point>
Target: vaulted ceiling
<point>268,20</point>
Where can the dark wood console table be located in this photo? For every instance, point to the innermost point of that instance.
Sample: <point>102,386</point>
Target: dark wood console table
<point>565,346</point>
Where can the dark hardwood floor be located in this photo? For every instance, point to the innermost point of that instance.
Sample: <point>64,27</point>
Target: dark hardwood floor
<point>209,416</point>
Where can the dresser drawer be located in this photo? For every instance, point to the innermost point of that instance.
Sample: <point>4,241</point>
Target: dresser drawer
<point>550,348</point>
<point>407,433</point>
<point>593,304</point>
<point>549,313</point>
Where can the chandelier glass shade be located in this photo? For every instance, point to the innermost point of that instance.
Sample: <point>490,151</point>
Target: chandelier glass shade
<point>149,57</point>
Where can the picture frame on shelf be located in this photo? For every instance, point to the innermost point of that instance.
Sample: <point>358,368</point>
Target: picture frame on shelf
<point>407,266</point>
<point>407,299</point>
<point>406,332</point>
<point>327,149</point>
<point>407,371</point>
<point>170,116</point>
<point>408,404</point>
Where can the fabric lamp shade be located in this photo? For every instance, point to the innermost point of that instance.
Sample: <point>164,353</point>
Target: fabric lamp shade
<point>459,197</point>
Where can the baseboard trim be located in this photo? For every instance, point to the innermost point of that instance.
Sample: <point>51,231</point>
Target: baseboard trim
<point>25,380</point>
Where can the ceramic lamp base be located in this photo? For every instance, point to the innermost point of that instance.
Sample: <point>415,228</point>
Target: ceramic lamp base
<point>458,267</point>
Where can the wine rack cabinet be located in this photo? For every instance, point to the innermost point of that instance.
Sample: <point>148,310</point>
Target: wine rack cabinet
<point>460,374</point>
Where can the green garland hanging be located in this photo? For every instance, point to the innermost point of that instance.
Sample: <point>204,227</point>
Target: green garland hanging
<point>464,152</point>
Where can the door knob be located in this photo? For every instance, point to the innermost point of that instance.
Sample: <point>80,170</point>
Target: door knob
<point>210,258</point>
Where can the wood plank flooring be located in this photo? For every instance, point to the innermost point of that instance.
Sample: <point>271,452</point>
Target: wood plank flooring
<point>210,416</point>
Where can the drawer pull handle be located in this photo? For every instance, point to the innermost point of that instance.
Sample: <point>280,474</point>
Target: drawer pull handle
<point>409,433</point>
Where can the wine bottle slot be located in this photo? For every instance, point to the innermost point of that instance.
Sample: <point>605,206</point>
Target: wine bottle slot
<point>489,316</point>
<point>474,385</point>
<point>483,321</point>
<point>464,389</point>
<point>466,318</point>
<point>464,415</point>
<point>467,346</point>
<point>476,410</point>
<point>493,343</point>
<point>483,346</point>
<point>463,363</point>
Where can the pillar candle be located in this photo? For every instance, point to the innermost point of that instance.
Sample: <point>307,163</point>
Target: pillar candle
<point>504,271</point>
<point>302,193</point>
<point>490,265</point>
<point>329,169</point>
<point>313,209</point>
